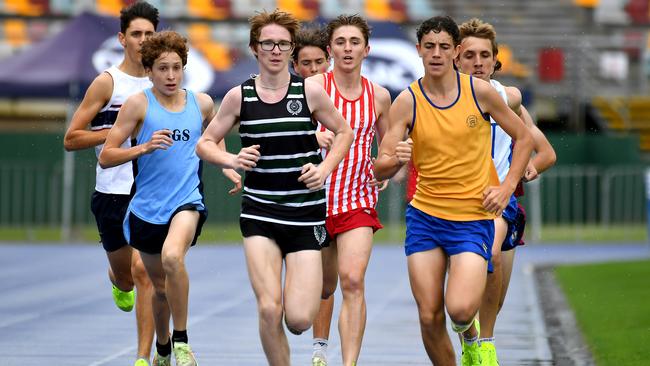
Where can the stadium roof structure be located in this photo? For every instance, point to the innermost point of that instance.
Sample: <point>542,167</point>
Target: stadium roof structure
<point>64,65</point>
<point>60,66</point>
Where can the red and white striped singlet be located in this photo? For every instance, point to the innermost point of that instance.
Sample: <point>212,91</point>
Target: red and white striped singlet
<point>347,186</point>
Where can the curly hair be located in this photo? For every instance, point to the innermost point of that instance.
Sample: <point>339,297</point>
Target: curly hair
<point>480,29</point>
<point>139,9</point>
<point>439,24</point>
<point>354,20</point>
<point>159,43</point>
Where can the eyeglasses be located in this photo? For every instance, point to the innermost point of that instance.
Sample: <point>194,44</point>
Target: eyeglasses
<point>269,45</point>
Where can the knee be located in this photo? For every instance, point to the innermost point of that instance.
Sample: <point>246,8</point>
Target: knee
<point>329,286</point>
<point>432,318</point>
<point>461,314</point>
<point>173,261</point>
<point>270,312</point>
<point>352,283</point>
<point>298,323</point>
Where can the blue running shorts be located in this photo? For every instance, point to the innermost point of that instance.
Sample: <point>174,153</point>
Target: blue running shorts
<point>425,232</point>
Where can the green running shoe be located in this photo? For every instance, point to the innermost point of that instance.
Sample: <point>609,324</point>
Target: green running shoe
<point>471,355</point>
<point>123,300</point>
<point>318,361</point>
<point>141,362</point>
<point>159,360</point>
<point>183,354</point>
<point>489,354</point>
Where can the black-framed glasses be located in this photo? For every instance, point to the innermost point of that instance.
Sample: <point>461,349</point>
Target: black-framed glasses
<point>269,45</point>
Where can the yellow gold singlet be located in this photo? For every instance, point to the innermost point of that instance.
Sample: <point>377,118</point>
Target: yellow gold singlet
<point>451,153</point>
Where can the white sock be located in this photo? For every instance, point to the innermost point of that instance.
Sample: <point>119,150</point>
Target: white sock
<point>486,340</point>
<point>470,341</point>
<point>320,346</point>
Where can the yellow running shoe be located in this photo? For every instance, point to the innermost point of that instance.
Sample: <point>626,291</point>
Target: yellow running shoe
<point>141,362</point>
<point>489,354</point>
<point>183,354</point>
<point>123,299</point>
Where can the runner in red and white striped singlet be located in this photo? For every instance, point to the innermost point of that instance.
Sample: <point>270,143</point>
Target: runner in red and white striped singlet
<point>351,188</point>
<point>348,185</point>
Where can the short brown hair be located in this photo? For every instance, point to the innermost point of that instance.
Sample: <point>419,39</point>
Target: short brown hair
<point>480,29</point>
<point>312,36</point>
<point>159,43</point>
<point>262,19</point>
<point>354,20</point>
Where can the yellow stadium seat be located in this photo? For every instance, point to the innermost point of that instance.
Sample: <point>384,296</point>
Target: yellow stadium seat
<point>217,54</point>
<point>509,65</point>
<point>23,7</point>
<point>208,9</point>
<point>378,9</point>
<point>110,7</point>
<point>15,31</point>
<point>298,9</point>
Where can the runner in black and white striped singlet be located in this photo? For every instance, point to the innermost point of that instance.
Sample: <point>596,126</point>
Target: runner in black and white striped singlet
<point>286,135</point>
<point>283,203</point>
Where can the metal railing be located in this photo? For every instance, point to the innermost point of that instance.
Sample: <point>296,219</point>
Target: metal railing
<point>31,194</point>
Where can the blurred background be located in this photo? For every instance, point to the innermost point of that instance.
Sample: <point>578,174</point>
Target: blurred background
<point>582,66</point>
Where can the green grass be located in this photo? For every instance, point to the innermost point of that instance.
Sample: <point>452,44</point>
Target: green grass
<point>390,234</point>
<point>612,306</point>
<point>593,233</point>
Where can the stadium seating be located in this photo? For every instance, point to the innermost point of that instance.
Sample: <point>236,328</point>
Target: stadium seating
<point>626,115</point>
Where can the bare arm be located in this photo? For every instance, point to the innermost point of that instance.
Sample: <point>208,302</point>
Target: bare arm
<point>208,112</point>
<point>544,153</point>
<point>382,107</point>
<point>78,136</point>
<point>394,152</point>
<point>324,111</point>
<point>129,118</point>
<point>496,198</point>
<point>211,147</point>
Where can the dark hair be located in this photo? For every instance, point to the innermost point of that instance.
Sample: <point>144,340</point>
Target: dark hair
<point>262,19</point>
<point>312,36</point>
<point>159,43</point>
<point>480,29</point>
<point>354,20</point>
<point>439,24</point>
<point>139,9</point>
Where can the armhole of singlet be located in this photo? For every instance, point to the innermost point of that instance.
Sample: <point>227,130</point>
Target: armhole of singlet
<point>108,102</point>
<point>413,120</point>
<point>485,116</point>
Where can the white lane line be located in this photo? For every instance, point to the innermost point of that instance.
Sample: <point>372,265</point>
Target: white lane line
<point>221,307</point>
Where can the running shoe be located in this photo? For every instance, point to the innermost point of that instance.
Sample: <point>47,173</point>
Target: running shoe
<point>141,362</point>
<point>183,354</point>
<point>489,354</point>
<point>123,299</point>
<point>471,355</point>
<point>318,359</point>
<point>159,360</point>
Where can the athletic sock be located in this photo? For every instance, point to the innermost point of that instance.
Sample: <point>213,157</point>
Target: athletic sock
<point>470,341</point>
<point>320,344</point>
<point>164,349</point>
<point>179,336</point>
<point>486,340</point>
